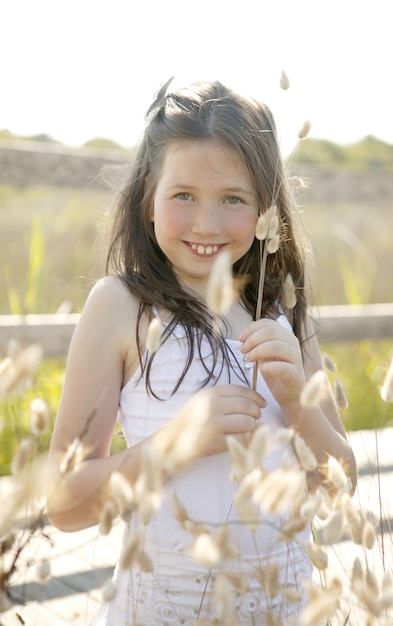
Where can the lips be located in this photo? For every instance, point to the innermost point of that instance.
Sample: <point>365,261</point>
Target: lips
<point>200,249</point>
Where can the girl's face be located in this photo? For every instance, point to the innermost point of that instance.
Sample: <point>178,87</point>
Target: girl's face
<point>204,203</point>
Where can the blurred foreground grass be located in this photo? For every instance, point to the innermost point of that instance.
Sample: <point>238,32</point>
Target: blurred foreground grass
<point>360,366</point>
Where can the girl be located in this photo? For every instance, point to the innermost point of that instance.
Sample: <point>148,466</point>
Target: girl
<point>207,167</point>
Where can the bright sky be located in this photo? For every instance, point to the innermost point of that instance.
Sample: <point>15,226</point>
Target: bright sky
<point>78,69</point>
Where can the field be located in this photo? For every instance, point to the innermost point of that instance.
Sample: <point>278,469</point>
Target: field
<point>50,255</point>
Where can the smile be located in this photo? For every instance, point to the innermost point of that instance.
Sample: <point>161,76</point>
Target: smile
<point>208,250</point>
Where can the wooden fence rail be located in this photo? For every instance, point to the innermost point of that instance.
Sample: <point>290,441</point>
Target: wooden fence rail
<point>333,323</point>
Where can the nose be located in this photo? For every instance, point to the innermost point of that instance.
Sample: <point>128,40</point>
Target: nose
<point>206,220</point>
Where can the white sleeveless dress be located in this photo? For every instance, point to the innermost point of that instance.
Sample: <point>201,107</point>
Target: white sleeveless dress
<point>179,590</point>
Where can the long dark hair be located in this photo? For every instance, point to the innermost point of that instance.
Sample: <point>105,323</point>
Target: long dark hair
<point>205,110</point>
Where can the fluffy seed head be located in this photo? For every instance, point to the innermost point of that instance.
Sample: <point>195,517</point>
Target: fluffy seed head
<point>222,590</point>
<point>318,556</point>
<point>334,529</point>
<point>337,476</point>
<point>305,456</point>
<point>39,416</point>
<point>284,435</point>
<point>262,227</point>
<point>320,608</point>
<point>121,491</point>
<point>278,489</point>
<point>328,363</point>
<point>17,372</point>
<point>310,506</point>
<point>387,387</point>
<point>369,535</point>
<point>43,570</point>
<point>289,292</point>
<point>314,390</point>
<point>284,81</point>
<point>273,244</point>
<point>108,591</point>
<point>205,551</point>
<point>305,129</point>
<point>73,457</point>
<point>131,549</point>
<point>267,224</point>
<point>153,337</point>
<point>340,395</point>
<point>220,292</point>
<point>22,457</point>
<point>107,515</point>
<point>298,183</point>
<point>291,595</point>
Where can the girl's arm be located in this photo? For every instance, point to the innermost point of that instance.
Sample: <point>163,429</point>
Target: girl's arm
<point>286,368</point>
<point>94,376</point>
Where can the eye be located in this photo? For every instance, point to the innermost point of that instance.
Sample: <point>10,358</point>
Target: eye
<point>183,195</point>
<point>233,200</point>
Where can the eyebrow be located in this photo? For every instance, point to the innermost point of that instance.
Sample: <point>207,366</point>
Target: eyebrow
<point>232,190</point>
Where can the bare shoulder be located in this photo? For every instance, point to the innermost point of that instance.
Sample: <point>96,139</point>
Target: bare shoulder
<point>109,322</point>
<point>110,302</point>
<point>113,291</point>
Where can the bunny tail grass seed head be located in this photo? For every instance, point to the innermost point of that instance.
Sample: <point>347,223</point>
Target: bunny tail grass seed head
<point>43,570</point>
<point>305,456</point>
<point>284,81</point>
<point>328,363</point>
<point>22,457</point>
<point>336,475</point>
<point>205,551</point>
<point>267,224</point>
<point>314,390</point>
<point>153,337</point>
<point>273,244</point>
<point>334,529</point>
<point>298,182</point>
<point>108,591</point>
<point>262,227</point>
<point>321,607</point>
<point>122,492</point>
<point>220,293</point>
<point>107,516</point>
<point>290,298</point>
<point>39,417</point>
<point>18,371</point>
<point>340,395</point>
<point>305,129</point>
<point>387,387</point>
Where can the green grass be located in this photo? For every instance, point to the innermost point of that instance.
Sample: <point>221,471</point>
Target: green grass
<point>361,368</point>
<point>15,413</point>
<point>48,251</point>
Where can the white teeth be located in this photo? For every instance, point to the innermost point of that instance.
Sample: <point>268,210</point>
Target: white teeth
<point>204,249</point>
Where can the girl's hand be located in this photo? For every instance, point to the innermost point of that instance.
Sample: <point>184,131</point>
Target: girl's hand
<point>229,410</point>
<point>279,357</point>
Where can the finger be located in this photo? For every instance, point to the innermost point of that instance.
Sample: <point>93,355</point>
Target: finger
<point>238,423</point>
<point>265,325</point>
<point>240,391</point>
<point>273,350</point>
<point>291,375</point>
<point>244,406</point>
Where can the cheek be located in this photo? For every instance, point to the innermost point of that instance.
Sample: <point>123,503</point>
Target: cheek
<point>169,223</point>
<point>243,227</point>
